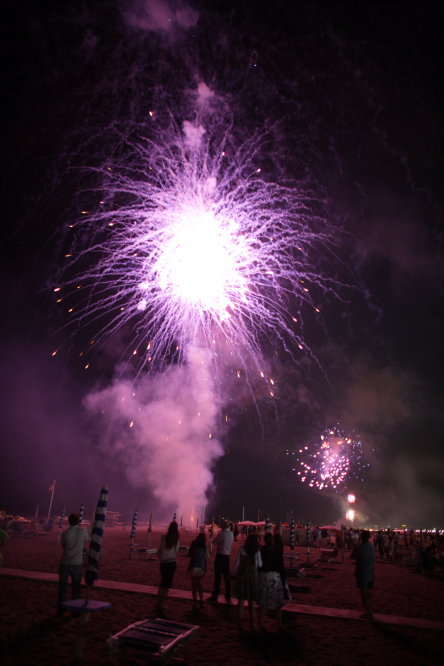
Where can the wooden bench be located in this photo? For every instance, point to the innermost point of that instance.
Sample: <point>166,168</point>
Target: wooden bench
<point>159,638</point>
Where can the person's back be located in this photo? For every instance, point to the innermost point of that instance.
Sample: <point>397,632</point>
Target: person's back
<point>364,555</point>
<point>73,540</point>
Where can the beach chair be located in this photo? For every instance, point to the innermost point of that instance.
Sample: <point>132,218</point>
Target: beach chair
<point>148,551</point>
<point>159,639</point>
<point>295,572</point>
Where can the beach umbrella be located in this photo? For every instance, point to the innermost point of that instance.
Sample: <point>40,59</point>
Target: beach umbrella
<point>62,518</point>
<point>96,540</point>
<point>292,534</point>
<point>81,510</point>
<point>150,529</point>
<point>308,534</point>
<point>133,528</point>
<point>267,523</point>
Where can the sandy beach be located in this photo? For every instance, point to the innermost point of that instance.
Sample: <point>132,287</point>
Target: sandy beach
<point>31,633</point>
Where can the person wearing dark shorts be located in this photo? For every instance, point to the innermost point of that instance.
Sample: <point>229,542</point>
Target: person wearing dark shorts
<point>364,556</point>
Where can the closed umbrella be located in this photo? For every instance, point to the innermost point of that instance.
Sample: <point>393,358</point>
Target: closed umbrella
<point>133,528</point>
<point>292,540</point>
<point>81,510</point>
<point>150,529</point>
<point>133,533</point>
<point>96,540</point>
<point>292,534</point>
<point>267,523</point>
<point>211,535</point>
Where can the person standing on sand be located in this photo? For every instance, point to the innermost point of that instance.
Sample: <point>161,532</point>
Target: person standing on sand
<point>224,542</point>
<point>365,572</point>
<point>246,581</point>
<point>198,559</point>
<point>169,546</point>
<point>73,541</point>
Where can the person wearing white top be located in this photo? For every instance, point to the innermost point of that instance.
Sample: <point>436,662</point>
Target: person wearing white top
<point>224,542</point>
<point>169,546</point>
<point>73,541</point>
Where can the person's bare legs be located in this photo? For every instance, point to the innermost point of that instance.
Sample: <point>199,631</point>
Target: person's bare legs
<point>251,613</point>
<point>240,612</point>
<point>260,616</point>
<point>200,590</point>
<point>194,591</point>
<point>161,597</point>
<point>367,601</point>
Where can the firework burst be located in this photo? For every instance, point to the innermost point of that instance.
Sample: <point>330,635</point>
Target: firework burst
<point>329,461</point>
<point>183,239</point>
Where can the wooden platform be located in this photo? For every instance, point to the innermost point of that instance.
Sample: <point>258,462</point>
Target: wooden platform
<point>339,613</point>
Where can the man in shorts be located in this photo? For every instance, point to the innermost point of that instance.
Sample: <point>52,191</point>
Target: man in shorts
<point>364,555</point>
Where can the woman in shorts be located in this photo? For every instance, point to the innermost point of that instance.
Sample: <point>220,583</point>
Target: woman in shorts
<point>198,559</point>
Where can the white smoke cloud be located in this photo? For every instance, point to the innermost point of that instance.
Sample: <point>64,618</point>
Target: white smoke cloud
<point>159,15</point>
<point>193,134</point>
<point>162,434</point>
<point>204,93</point>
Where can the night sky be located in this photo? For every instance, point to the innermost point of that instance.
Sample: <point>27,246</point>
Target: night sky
<point>357,88</point>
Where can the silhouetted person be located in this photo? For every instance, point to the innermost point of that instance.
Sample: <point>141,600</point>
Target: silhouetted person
<point>73,541</point>
<point>365,571</point>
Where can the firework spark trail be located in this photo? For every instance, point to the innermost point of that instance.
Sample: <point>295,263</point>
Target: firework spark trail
<point>192,242</point>
<point>330,460</point>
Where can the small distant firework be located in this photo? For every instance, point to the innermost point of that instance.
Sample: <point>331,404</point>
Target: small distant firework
<point>351,499</point>
<point>328,462</point>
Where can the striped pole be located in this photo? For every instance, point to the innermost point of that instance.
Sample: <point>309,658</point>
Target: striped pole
<point>267,523</point>
<point>308,534</point>
<point>133,527</point>
<point>96,541</point>
<point>292,533</point>
<point>81,510</point>
<point>62,518</point>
